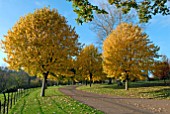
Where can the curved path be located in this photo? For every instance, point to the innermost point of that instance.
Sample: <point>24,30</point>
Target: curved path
<point>118,105</point>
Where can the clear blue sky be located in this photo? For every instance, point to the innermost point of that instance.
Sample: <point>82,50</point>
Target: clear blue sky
<point>11,10</point>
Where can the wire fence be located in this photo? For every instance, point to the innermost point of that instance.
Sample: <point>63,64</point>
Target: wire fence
<point>9,98</point>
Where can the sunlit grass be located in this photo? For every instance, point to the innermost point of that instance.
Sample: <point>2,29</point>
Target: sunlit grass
<point>137,90</point>
<point>1,97</point>
<point>53,103</point>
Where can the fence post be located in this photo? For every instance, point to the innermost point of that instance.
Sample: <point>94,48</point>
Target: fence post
<point>24,92</point>
<point>11,100</point>
<point>14,97</point>
<point>7,103</point>
<point>19,94</point>
<point>4,102</point>
<point>0,106</point>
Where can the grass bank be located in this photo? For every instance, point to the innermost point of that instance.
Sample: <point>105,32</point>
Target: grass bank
<point>53,103</point>
<point>151,90</point>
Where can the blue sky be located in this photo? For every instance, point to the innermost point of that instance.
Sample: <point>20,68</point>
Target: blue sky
<point>11,10</point>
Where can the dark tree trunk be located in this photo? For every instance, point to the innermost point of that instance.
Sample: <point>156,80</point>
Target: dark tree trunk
<point>44,84</point>
<point>29,81</point>
<point>164,81</point>
<point>110,81</point>
<point>86,82</point>
<point>90,79</point>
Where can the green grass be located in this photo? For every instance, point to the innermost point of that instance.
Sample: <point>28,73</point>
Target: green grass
<point>152,90</point>
<point>53,103</point>
<point>1,96</point>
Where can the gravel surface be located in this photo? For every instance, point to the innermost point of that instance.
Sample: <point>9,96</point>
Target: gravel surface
<point>118,105</point>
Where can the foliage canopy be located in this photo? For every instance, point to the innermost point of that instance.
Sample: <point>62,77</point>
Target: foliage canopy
<point>145,8</point>
<point>162,68</point>
<point>128,53</point>
<point>41,43</point>
<point>103,24</point>
<point>89,63</point>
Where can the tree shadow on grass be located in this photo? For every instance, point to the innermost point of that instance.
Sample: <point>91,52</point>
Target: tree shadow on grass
<point>136,85</point>
<point>54,96</point>
<point>147,85</point>
<point>159,94</point>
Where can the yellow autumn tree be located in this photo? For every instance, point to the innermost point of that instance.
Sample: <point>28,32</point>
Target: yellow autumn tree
<point>128,53</point>
<point>41,43</point>
<point>162,69</point>
<point>89,63</point>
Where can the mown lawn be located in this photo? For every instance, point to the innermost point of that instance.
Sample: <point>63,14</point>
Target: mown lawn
<point>152,90</point>
<point>1,96</point>
<point>53,103</point>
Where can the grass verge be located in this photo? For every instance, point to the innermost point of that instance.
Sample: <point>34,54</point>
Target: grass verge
<point>53,103</point>
<point>151,90</point>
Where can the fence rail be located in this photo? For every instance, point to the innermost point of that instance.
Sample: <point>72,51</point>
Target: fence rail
<point>10,98</point>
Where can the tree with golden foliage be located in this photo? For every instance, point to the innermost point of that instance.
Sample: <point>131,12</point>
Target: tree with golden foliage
<point>128,53</point>
<point>89,62</point>
<point>41,43</point>
<point>103,24</point>
<point>162,69</point>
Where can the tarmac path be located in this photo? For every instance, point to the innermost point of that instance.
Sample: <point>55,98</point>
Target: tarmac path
<point>118,105</point>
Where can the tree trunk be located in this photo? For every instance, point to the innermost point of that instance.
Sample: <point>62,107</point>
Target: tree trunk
<point>126,84</point>
<point>110,81</point>
<point>44,84</point>
<point>86,82</point>
<point>90,79</point>
<point>127,81</point>
<point>164,81</point>
<point>29,81</point>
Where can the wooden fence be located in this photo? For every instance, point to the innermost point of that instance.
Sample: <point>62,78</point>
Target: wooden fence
<point>10,98</point>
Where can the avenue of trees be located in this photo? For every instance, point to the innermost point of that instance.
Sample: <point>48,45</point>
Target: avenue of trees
<point>43,44</point>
